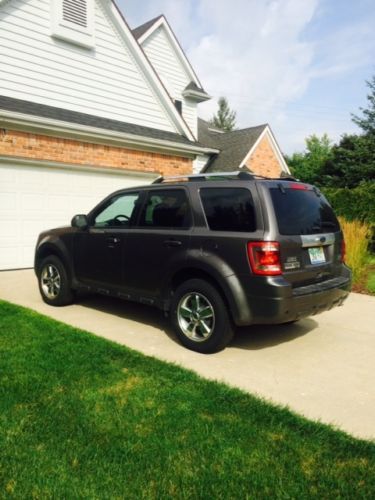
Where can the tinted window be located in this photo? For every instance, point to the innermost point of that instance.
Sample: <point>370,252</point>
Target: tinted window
<point>228,209</point>
<point>302,212</point>
<point>166,208</point>
<point>118,212</point>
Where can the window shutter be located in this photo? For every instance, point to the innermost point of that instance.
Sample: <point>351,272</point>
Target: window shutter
<point>73,21</point>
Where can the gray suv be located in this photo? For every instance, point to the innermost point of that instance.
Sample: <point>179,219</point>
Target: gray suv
<point>212,251</point>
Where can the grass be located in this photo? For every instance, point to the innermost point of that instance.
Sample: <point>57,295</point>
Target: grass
<point>81,417</point>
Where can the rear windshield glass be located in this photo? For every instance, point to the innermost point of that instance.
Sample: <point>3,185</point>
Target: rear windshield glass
<point>302,212</point>
<point>228,209</point>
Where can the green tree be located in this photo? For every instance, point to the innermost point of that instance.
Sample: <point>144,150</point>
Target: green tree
<point>352,162</point>
<point>367,121</point>
<point>353,158</point>
<point>225,118</point>
<point>307,166</point>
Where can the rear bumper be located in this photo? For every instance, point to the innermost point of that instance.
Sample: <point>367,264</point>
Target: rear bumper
<point>279,303</point>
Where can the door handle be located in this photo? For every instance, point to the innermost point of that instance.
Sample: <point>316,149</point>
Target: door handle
<point>113,241</point>
<point>172,243</point>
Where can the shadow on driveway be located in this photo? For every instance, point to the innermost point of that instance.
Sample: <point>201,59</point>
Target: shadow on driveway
<point>251,337</point>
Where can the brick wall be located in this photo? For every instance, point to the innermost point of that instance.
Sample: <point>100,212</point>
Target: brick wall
<point>264,161</point>
<point>42,147</point>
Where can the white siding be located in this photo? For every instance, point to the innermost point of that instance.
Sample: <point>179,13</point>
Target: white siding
<point>189,111</point>
<point>170,69</point>
<point>105,81</point>
<point>199,163</point>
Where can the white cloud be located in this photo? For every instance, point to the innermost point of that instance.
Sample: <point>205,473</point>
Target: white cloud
<point>255,57</point>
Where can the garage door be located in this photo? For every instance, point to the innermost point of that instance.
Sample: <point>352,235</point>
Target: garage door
<point>33,199</point>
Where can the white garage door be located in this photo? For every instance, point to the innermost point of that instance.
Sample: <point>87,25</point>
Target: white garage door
<point>33,199</point>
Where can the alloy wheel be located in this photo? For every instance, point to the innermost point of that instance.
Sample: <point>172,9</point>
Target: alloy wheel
<point>196,316</point>
<point>50,281</point>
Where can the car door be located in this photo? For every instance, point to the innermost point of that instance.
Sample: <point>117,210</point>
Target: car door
<point>159,241</point>
<point>98,250</point>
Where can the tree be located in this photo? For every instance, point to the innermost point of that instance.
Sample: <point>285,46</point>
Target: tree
<point>367,121</point>
<point>308,166</point>
<point>352,162</point>
<point>225,118</point>
<point>353,159</point>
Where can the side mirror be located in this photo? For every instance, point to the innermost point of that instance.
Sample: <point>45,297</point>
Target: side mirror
<point>80,221</point>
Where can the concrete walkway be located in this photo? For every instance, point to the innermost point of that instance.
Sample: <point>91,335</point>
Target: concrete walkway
<point>322,367</point>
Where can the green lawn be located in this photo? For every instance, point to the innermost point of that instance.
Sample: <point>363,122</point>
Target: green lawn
<point>81,417</point>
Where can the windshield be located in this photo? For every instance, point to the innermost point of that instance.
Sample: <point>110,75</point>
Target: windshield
<point>303,212</point>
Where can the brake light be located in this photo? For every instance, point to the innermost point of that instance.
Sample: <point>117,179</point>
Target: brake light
<point>343,251</point>
<point>298,185</point>
<point>264,257</point>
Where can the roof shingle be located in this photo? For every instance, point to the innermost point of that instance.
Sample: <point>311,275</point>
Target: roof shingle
<point>234,146</point>
<point>141,30</point>
<point>32,108</point>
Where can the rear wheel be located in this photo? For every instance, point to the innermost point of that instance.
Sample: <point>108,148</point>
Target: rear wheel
<point>53,281</point>
<point>200,317</point>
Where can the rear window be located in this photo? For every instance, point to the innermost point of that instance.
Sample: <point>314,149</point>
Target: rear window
<point>228,209</point>
<point>302,212</point>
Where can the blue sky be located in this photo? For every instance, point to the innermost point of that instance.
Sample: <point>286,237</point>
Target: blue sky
<point>299,65</point>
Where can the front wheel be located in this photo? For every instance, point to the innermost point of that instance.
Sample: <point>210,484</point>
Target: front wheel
<point>200,317</point>
<point>53,281</point>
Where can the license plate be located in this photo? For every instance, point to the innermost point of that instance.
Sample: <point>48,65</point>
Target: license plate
<point>317,255</point>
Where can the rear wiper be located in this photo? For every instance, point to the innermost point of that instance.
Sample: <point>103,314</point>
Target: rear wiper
<point>323,224</point>
<point>328,224</point>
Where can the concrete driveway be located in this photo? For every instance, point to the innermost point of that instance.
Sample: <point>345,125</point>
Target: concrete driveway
<point>321,367</point>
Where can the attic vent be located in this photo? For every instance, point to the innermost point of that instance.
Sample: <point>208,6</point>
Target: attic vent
<point>74,21</point>
<point>75,11</point>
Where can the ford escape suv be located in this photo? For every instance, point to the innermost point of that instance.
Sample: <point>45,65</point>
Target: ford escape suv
<point>211,250</point>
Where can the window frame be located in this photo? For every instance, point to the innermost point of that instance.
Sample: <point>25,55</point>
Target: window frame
<point>255,204</point>
<point>147,193</point>
<point>107,202</point>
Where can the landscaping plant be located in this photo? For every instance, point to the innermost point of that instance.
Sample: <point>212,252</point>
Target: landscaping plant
<point>357,236</point>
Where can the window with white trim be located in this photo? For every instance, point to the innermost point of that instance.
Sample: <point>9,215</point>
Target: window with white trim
<point>73,21</point>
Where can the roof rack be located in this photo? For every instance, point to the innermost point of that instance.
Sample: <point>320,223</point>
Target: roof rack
<point>203,177</point>
<point>238,174</point>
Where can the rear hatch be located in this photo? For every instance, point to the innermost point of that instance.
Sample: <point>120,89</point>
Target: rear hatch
<point>311,242</point>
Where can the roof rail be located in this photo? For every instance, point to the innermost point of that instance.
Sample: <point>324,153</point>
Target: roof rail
<point>202,177</point>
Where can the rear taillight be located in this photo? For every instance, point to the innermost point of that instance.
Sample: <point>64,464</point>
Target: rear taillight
<point>343,251</point>
<point>264,257</point>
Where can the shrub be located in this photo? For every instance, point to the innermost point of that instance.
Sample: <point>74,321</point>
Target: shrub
<point>357,236</point>
<point>354,204</point>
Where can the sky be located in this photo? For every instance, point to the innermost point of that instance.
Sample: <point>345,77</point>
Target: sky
<point>299,65</point>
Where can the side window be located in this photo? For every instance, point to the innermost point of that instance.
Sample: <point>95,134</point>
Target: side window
<point>166,208</point>
<point>119,212</point>
<point>229,209</point>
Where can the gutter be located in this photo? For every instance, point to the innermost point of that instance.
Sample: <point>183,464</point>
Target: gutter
<point>58,128</point>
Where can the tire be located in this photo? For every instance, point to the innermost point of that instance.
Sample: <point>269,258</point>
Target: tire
<point>200,317</point>
<point>54,285</point>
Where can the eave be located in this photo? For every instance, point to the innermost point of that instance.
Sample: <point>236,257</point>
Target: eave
<point>58,128</point>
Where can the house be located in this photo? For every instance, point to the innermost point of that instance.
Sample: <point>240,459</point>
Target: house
<point>82,113</point>
<point>88,106</point>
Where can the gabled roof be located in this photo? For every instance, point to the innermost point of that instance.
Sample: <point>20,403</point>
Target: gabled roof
<point>143,32</point>
<point>145,63</point>
<point>234,146</point>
